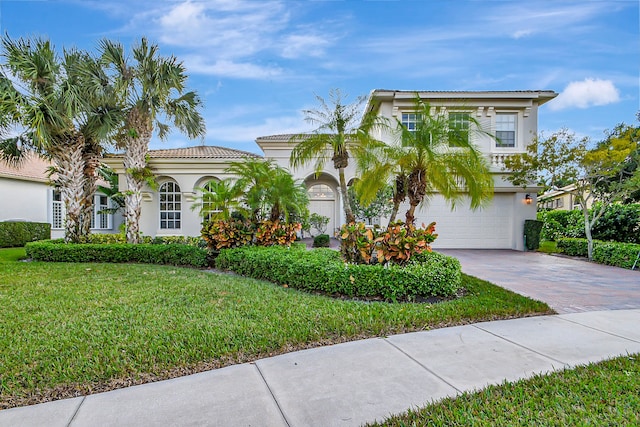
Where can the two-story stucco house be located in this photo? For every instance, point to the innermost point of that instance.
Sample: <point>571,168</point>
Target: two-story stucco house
<point>511,115</point>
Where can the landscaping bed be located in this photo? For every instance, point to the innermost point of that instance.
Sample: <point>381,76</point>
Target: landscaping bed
<point>428,274</point>
<point>610,253</point>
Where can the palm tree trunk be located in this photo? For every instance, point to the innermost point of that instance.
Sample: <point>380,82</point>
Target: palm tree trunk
<point>70,179</point>
<point>91,164</point>
<point>348,213</point>
<point>394,213</point>
<point>134,162</point>
<point>410,218</point>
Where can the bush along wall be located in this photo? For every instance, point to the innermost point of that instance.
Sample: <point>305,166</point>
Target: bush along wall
<point>610,253</point>
<point>17,233</point>
<point>171,254</point>
<point>322,270</point>
<point>532,229</point>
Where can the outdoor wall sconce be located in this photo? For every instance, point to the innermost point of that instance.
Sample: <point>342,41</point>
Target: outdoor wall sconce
<point>527,199</point>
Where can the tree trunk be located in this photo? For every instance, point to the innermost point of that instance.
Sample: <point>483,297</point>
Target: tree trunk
<point>136,146</point>
<point>410,218</point>
<point>416,190</point>
<point>349,216</point>
<point>91,165</point>
<point>70,179</point>
<point>399,195</point>
<point>394,213</point>
<point>587,232</point>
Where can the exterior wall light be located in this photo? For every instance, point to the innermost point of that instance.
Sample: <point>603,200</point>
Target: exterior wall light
<point>528,200</point>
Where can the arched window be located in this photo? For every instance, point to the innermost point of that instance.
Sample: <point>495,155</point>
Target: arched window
<point>209,209</point>
<point>321,191</point>
<point>170,205</point>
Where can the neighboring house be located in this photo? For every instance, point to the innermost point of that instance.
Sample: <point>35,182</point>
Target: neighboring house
<point>27,196</point>
<point>167,211</point>
<point>511,115</point>
<point>561,199</point>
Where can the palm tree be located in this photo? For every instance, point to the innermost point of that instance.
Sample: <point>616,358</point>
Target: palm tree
<point>286,195</point>
<point>253,176</point>
<point>435,156</point>
<point>218,201</point>
<point>340,129</point>
<point>45,100</point>
<point>149,89</point>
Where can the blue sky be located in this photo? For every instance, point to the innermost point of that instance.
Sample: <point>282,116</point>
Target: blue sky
<point>258,63</point>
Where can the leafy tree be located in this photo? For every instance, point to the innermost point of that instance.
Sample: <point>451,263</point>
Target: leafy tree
<point>112,191</point>
<point>56,116</point>
<point>378,207</point>
<point>285,195</point>
<point>599,176</point>
<point>151,92</point>
<point>433,156</point>
<point>319,222</point>
<point>341,130</point>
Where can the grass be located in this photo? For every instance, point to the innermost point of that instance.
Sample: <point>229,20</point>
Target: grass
<point>602,394</point>
<point>72,329</point>
<point>548,247</point>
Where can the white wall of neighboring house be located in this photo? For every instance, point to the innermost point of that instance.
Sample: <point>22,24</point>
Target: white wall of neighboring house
<point>23,200</point>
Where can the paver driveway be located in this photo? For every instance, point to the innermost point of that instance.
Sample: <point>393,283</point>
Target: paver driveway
<point>566,284</point>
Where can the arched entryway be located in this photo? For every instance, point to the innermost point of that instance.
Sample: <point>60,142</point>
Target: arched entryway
<point>324,200</point>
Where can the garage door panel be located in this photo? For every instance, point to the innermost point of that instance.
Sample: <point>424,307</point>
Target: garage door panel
<point>489,227</point>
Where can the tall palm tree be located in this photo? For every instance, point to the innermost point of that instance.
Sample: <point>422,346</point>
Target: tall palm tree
<point>341,129</point>
<point>150,89</point>
<point>437,156</point>
<point>44,100</point>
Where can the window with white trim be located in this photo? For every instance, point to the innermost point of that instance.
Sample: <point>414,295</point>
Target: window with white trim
<point>57,210</point>
<point>321,191</point>
<point>101,220</point>
<point>410,121</point>
<point>170,205</point>
<point>458,128</point>
<point>506,130</point>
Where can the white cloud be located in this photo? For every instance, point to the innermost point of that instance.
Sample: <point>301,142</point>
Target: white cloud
<point>232,69</point>
<point>297,45</point>
<point>586,93</point>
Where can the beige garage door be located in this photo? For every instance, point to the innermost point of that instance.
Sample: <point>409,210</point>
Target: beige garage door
<point>487,228</point>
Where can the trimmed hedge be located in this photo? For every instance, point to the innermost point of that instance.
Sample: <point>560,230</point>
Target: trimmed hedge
<point>532,229</point>
<point>321,241</point>
<point>18,233</point>
<point>609,253</point>
<point>172,254</point>
<point>322,270</point>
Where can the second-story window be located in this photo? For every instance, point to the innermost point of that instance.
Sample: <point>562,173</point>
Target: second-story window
<point>505,130</point>
<point>458,129</point>
<point>410,120</point>
<point>170,205</point>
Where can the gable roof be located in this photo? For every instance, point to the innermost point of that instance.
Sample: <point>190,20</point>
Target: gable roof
<point>197,152</point>
<point>31,168</point>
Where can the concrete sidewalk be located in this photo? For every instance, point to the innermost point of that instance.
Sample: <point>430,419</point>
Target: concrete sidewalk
<point>356,382</point>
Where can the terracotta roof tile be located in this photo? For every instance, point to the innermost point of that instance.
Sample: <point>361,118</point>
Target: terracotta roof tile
<point>32,168</point>
<point>197,152</point>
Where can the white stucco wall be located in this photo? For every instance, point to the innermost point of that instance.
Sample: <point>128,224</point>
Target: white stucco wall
<point>23,200</point>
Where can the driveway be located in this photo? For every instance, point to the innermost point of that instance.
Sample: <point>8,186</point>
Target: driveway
<point>568,285</point>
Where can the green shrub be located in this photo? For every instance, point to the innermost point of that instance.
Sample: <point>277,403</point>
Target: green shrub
<point>559,224</point>
<point>17,233</point>
<point>573,246</point>
<point>617,254</point>
<point>322,270</point>
<point>610,253</point>
<point>172,254</point>
<point>532,229</point>
<point>321,241</point>
<point>619,223</point>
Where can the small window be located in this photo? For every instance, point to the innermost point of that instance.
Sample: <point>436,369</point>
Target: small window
<point>410,121</point>
<point>170,205</point>
<point>321,191</point>
<point>505,130</point>
<point>101,220</point>
<point>57,210</point>
<point>458,129</point>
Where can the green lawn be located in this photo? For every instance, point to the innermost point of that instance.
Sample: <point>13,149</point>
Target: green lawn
<point>603,394</point>
<point>549,247</point>
<point>83,328</point>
